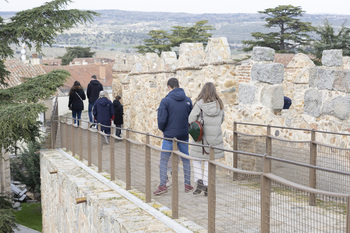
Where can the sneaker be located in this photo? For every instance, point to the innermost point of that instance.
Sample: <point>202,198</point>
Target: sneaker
<point>188,188</point>
<point>168,183</point>
<point>93,125</point>
<point>76,125</point>
<point>106,138</point>
<point>161,189</point>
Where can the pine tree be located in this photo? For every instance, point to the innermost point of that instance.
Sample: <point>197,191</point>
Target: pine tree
<point>329,39</point>
<point>20,105</point>
<point>292,34</point>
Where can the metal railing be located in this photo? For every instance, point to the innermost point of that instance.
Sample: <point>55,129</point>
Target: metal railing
<point>54,122</point>
<point>239,200</point>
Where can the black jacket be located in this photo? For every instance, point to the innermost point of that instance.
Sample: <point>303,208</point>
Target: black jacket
<point>75,102</point>
<point>93,90</point>
<point>118,109</point>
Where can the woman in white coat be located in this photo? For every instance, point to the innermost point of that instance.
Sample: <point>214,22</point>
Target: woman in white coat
<point>212,107</point>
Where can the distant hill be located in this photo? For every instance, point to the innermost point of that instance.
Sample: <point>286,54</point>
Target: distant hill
<point>117,30</point>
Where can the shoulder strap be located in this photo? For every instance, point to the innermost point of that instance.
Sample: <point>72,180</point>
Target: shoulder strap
<point>79,96</point>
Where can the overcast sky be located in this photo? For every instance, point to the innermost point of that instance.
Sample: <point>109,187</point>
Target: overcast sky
<point>190,6</point>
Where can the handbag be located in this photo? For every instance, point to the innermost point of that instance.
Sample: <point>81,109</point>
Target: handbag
<point>196,129</point>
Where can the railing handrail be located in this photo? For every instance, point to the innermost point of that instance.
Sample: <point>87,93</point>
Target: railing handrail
<point>229,150</point>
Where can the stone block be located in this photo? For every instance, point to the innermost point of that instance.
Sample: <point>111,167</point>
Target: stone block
<point>332,58</point>
<point>263,54</point>
<point>191,55</point>
<point>268,73</point>
<point>217,50</point>
<point>272,96</point>
<point>313,102</point>
<point>338,107</point>
<point>246,93</point>
<point>168,61</point>
<point>330,79</point>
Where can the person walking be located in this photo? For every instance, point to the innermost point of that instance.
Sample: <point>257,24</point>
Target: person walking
<point>209,104</point>
<point>104,112</point>
<point>172,120</point>
<point>76,101</point>
<point>118,117</point>
<point>92,92</point>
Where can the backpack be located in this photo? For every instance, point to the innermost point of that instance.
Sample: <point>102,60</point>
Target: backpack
<point>196,129</point>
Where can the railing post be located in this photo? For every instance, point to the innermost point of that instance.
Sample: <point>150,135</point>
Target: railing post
<point>80,141</point>
<point>111,153</point>
<point>175,181</point>
<point>148,169</point>
<point>265,191</point>
<point>99,146</point>
<point>67,134</point>
<point>61,134</point>
<point>312,171</point>
<point>211,191</point>
<point>127,161</point>
<point>89,144</point>
<point>235,148</point>
<point>348,214</point>
<point>73,138</point>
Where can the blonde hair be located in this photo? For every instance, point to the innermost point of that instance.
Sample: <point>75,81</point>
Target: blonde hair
<point>208,94</point>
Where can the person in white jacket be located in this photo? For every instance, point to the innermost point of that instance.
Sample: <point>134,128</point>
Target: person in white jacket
<point>212,107</point>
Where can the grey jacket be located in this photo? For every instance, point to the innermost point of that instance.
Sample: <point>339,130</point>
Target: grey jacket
<point>213,117</point>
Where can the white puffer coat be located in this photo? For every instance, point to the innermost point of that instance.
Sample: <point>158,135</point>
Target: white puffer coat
<point>213,117</point>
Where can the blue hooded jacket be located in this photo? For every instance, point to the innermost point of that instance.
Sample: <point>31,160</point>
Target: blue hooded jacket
<point>103,111</point>
<point>173,114</point>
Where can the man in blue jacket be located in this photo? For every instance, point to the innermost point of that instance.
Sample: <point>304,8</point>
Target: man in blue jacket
<point>173,114</point>
<point>104,112</point>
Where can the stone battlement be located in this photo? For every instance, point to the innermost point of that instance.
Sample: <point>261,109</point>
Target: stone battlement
<point>252,90</point>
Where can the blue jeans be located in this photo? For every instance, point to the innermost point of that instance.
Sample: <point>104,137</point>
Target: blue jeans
<point>164,158</point>
<point>91,105</point>
<point>75,115</point>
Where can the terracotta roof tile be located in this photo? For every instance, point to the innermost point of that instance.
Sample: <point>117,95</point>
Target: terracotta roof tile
<point>20,71</point>
<point>83,73</point>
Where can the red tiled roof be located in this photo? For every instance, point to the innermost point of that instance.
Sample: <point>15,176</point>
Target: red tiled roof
<point>20,71</point>
<point>284,58</point>
<point>83,73</point>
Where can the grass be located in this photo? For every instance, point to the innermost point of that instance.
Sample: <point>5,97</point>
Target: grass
<point>30,216</point>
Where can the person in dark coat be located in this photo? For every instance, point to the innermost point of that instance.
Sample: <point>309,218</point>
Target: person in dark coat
<point>118,117</point>
<point>92,92</point>
<point>104,112</point>
<point>173,114</point>
<point>76,101</point>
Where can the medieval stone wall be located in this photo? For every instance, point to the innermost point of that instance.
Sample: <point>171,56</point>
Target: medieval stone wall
<point>252,90</point>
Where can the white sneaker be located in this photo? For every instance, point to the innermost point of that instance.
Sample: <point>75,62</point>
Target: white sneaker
<point>76,125</point>
<point>168,182</point>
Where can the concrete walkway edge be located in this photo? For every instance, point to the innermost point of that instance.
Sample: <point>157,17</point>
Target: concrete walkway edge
<point>157,214</point>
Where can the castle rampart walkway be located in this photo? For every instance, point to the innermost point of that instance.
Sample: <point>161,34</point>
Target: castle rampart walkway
<point>238,200</point>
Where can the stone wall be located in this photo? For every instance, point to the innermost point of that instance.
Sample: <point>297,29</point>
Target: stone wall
<point>5,174</point>
<point>252,90</point>
<point>65,182</point>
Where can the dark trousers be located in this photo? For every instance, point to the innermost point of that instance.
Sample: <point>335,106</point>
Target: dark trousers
<point>118,131</point>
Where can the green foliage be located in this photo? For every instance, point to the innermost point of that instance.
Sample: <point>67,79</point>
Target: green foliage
<point>329,39</point>
<point>38,27</point>
<point>30,216</point>
<point>76,52</point>
<point>161,40</point>
<point>19,107</point>
<point>7,217</point>
<point>26,167</point>
<point>158,43</point>
<point>291,34</point>
<point>19,112</point>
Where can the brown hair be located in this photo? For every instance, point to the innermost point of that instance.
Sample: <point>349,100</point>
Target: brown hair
<point>208,94</point>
